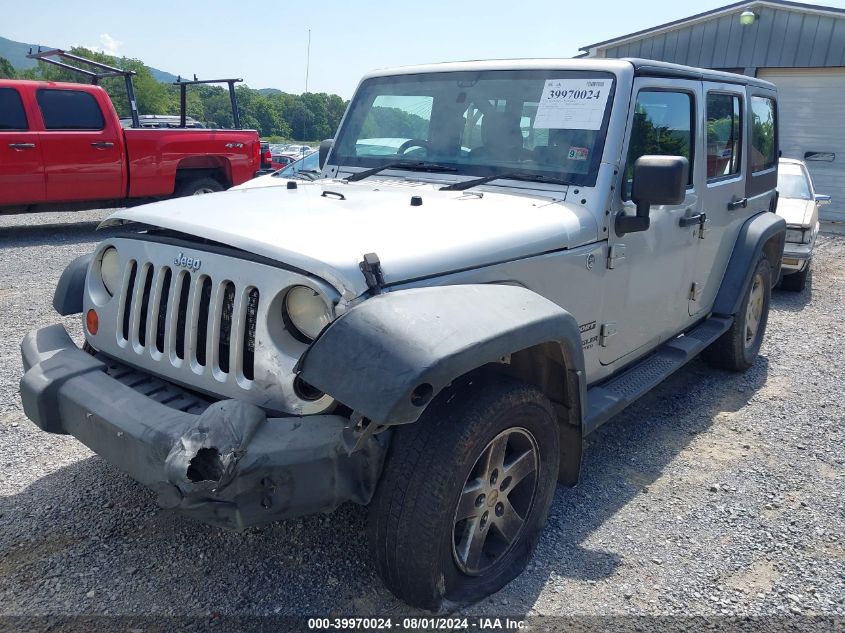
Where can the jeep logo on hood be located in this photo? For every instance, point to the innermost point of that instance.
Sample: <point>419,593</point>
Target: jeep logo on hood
<point>191,263</point>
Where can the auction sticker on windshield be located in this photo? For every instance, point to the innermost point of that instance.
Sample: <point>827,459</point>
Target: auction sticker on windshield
<point>573,104</point>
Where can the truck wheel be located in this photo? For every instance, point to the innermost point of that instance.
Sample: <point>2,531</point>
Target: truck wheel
<point>795,282</point>
<point>198,187</point>
<point>737,348</point>
<point>465,493</point>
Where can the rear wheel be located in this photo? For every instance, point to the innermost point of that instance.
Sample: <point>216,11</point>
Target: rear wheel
<point>795,282</point>
<point>198,187</point>
<point>465,494</point>
<point>737,348</point>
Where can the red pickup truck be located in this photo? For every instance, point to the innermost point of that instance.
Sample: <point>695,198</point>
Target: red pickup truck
<point>63,143</point>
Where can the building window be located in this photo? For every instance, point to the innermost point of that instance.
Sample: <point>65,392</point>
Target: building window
<point>763,139</point>
<point>663,125</point>
<point>724,135</point>
<point>70,110</point>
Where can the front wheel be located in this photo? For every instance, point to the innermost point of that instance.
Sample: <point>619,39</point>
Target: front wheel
<point>737,348</point>
<point>465,493</point>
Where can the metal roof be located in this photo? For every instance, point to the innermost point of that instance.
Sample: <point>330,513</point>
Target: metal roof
<point>707,15</point>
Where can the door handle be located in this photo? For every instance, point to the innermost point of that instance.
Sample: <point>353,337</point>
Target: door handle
<point>690,220</point>
<point>21,145</point>
<point>102,144</point>
<point>738,204</point>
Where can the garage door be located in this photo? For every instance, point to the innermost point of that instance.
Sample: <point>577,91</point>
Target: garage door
<point>812,127</point>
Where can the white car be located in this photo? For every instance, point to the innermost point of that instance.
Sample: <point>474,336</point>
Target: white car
<point>798,204</point>
<point>307,168</point>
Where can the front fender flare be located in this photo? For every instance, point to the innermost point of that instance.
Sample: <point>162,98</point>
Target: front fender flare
<point>67,299</point>
<point>375,358</point>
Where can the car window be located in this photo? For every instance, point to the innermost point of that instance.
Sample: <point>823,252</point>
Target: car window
<point>792,183</point>
<point>763,148</point>
<point>12,115</point>
<point>724,135</point>
<point>662,126</point>
<point>310,165</point>
<point>69,110</point>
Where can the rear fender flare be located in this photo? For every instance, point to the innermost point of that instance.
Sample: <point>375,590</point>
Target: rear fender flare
<point>762,234</point>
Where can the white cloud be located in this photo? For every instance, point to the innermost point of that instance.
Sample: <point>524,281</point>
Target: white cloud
<point>107,45</point>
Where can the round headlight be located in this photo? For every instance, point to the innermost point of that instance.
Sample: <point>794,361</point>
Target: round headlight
<point>306,311</point>
<point>110,270</point>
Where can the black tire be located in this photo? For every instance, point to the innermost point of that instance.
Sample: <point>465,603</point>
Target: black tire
<point>198,186</point>
<point>413,516</point>
<point>795,282</point>
<point>737,349</point>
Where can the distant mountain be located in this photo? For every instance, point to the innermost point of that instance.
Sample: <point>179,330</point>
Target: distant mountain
<point>16,53</point>
<point>266,92</point>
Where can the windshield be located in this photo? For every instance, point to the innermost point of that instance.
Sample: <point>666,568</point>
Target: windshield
<point>793,185</point>
<point>548,123</point>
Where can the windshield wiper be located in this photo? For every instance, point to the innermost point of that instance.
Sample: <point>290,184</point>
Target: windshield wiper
<point>402,164</point>
<point>511,175</point>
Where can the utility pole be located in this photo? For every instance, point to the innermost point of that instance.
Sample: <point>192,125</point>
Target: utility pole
<point>308,60</point>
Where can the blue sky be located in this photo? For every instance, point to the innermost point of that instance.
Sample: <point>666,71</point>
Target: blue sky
<point>265,42</point>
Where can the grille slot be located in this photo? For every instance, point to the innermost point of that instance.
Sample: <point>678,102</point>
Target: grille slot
<point>225,338</point>
<point>126,304</point>
<point>161,319</point>
<point>147,282</point>
<point>250,319</point>
<point>182,313</point>
<point>201,322</point>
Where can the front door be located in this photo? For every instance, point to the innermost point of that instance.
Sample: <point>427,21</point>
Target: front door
<point>21,167</point>
<point>650,272</point>
<point>82,150</point>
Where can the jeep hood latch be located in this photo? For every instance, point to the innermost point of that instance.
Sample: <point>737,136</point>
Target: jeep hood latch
<point>371,267</point>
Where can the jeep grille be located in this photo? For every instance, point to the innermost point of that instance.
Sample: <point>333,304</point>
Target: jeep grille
<point>217,329</point>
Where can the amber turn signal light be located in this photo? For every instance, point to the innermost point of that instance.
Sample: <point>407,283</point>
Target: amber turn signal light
<point>92,322</point>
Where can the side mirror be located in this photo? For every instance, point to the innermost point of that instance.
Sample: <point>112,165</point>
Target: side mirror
<point>657,180</point>
<point>325,148</point>
<point>822,199</point>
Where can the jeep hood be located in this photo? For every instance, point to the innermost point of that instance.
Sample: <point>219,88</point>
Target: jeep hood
<point>796,211</point>
<point>326,227</point>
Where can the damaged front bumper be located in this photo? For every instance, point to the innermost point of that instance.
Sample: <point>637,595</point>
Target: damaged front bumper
<point>230,466</point>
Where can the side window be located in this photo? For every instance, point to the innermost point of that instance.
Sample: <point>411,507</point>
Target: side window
<point>724,135</point>
<point>69,110</point>
<point>763,122</point>
<point>663,125</point>
<point>12,115</point>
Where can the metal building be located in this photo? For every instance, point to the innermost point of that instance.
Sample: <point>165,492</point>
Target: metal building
<point>800,47</point>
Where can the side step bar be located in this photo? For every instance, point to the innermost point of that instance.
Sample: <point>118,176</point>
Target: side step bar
<point>609,398</point>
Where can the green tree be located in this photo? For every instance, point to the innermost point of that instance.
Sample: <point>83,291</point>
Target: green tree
<point>7,71</point>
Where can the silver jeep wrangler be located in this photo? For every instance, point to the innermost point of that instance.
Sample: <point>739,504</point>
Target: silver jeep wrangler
<point>500,257</point>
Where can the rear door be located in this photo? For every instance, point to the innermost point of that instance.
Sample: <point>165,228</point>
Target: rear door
<point>21,167</point>
<point>82,149</point>
<point>723,194</point>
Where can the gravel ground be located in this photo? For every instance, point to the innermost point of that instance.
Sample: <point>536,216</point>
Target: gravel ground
<point>715,494</point>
